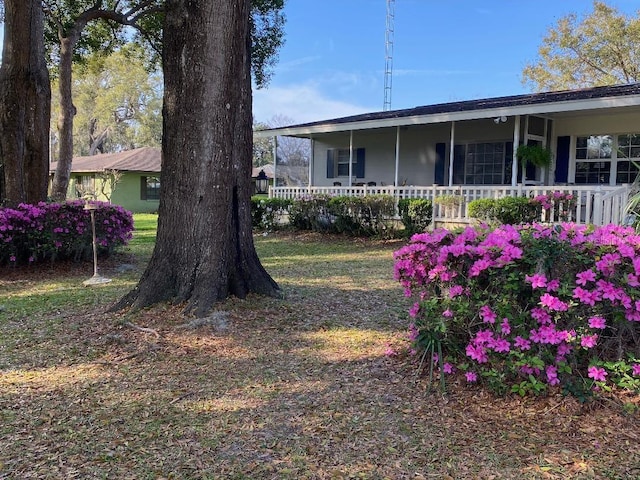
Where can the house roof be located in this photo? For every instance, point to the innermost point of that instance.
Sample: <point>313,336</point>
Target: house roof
<point>145,159</point>
<point>545,103</point>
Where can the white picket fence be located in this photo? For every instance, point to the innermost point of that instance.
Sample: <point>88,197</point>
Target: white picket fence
<point>599,205</point>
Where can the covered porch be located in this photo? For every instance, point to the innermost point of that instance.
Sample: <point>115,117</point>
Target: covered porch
<point>599,205</point>
<point>473,149</point>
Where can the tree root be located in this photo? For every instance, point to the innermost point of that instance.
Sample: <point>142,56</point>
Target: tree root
<point>142,329</point>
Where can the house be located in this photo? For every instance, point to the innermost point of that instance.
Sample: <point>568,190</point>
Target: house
<point>130,178</point>
<point>468,148</point>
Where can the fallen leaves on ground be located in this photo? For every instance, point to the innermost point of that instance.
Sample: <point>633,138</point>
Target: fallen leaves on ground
<point>280,389</point>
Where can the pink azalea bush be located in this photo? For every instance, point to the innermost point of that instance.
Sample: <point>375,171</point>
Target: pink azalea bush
<point>529,307</point>
<point>557,206</point>
<point>51,231</point>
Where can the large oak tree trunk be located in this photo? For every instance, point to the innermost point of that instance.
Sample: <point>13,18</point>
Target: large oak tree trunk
<point>204,250</point>
<point>25,105</point>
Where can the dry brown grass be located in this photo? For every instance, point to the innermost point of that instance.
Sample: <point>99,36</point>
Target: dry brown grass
<point>267,389</point>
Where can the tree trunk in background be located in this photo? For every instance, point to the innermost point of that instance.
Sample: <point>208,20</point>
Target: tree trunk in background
<point>204,249</point>
<point>25,105</point>
<point>65,118</point>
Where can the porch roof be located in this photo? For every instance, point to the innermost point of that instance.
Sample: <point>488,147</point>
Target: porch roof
<point>566,101</point>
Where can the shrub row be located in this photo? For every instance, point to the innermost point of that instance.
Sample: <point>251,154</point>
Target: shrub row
<point>527,308</point>
<point>553,207</point>
<point>52,231</point>
<point>372,215</point>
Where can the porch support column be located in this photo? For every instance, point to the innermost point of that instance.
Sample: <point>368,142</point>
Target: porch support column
<point>516,142</point>
<point>311,162</point>
<point>350,156</point>
<point>452,140</point>
<point>275,159</point>
<point>395,180</point>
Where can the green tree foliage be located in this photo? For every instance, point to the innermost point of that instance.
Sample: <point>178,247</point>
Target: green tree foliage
<point>267,36</point>
<point>118,103</point>
<point>603,48</point>
<point>77,28</point>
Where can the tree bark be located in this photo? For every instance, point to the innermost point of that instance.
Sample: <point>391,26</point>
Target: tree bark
<point>65,117</point>
<point>204,249</point>
<point>25,105</point>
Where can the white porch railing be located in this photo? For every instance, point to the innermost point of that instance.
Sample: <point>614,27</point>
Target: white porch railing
<point>599,205</point>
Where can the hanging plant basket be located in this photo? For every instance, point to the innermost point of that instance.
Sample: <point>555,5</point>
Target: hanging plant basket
<point>534,154</point>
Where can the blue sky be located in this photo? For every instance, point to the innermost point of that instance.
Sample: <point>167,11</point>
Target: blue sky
<point>332,63</point>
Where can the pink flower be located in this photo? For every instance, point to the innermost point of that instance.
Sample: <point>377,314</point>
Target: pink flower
<point>598,374</point>
<point>536,281</point>
<point>553,303</point>
<point>448,368</point>
<point>501,346</point>
<point>636,369</point>
<point>522,343</point>
<point>552,375</point>
<point>564,349</point>
<point>553,286</point>
<point>455,291</point>
<point>505,328</point>
<point>447,313</point>
<point>478,267</point>
<point>413,311</point>
<point>413,333</point>
<point>632,280</point>
<point>488,315</point>
<point>471,377</point>
<point>597,322</point>
<point>390,352</point>
<point>587,276</point>
<point>589,341</point>
<point>542,316</point>
<point>477,353</point>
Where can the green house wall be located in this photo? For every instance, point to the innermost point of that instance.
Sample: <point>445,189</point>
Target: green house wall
<point>126,193</point>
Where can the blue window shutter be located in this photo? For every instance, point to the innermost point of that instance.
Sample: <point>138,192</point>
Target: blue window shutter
<point>438,177</point>
<point>563,152</point>
<point>459,157</point>
<point>359,166</point>
<point>331,168</point>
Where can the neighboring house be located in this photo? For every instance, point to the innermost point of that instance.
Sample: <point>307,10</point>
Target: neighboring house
<point>130,178</point>
<point>468,148</point>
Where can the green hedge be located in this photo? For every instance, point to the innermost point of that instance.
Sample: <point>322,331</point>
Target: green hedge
<point>269,213</point>
<point>507,210</point>
<point>357,216</point>
<point>416,214</point>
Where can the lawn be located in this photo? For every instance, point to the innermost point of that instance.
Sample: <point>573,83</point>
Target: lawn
<point>298,388</point>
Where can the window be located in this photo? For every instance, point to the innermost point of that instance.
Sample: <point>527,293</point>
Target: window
<point>343,163</point>
<point>600,159</point>
<point>338,162</point>
<point>628,158</point>
<point>484,163</point>
<point>149,188</point>
<point>85,185</point>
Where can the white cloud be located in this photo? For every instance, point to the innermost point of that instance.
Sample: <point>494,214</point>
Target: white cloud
<point>301,103</point>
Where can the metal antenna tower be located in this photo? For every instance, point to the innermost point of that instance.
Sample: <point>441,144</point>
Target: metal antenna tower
<point>388,55</point>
